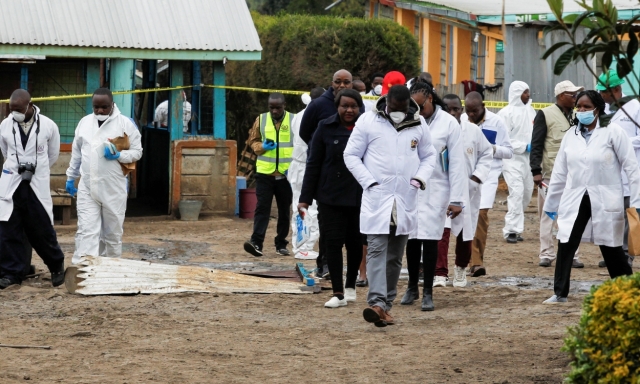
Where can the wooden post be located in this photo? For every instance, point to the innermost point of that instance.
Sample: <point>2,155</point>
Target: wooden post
<point>219,102</point>
<point>176,100</point>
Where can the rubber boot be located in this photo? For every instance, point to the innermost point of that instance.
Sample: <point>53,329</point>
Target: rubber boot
<point>427,300</point>
<point>412,294</point>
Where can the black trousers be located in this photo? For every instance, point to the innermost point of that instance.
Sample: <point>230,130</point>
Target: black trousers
<point>266,188</point>
<point>614,257</point>
<point>341,226</point>
<point>31,219</point>
<point>429,251</point>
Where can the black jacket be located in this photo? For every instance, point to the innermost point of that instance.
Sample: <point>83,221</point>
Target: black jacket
<point>326,177</point>
<point>319,109</point>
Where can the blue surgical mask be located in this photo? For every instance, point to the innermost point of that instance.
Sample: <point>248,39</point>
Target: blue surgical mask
<point>586,117</point>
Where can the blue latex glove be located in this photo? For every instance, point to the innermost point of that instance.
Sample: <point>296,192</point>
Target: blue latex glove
<point>268,146</point>
<point>71,189</point>
<point>552,215</point>
<point>109,155</point>
<point>528,147</point>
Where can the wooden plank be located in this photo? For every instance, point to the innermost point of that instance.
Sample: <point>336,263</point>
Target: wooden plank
<point>61,201</point>
<point>66,215</point>
<point>104,276</point>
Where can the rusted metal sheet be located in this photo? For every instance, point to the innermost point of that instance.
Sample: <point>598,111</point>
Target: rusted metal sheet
<point>109,276</point>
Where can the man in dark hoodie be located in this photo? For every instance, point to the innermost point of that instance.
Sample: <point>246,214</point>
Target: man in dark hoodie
<point>319,109</point>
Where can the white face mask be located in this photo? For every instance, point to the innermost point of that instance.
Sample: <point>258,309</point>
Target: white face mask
<point>377,90</point>
<point>104,117</point>
<point>363,93</point>
<point>20,117</point>
<point>397,117</point>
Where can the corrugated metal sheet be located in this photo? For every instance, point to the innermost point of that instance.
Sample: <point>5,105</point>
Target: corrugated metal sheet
<point>209,25</point>
<point>519,7</point>
<point>521,51</point>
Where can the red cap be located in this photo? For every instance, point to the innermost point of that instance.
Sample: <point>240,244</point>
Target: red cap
<point>390,79</point>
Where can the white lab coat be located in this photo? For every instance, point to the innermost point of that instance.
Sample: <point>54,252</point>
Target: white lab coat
<point>595,168</point>
<point>495,130</point>
<point>444,187</point>
<point>517,170</point>
<point>377,152</point>
<point>102,190</point>
<point>162,114</point>
<point>478,155</point>
<point>48,149</point>
<point>632,108</point>
<point>295,175</point>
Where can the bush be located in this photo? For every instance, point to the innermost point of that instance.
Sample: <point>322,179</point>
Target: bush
<point>300,52</point>
<point>605,346</point>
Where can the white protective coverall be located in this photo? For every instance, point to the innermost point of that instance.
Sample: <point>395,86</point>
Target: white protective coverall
<point>162,114</point>
<point>478,155</point>
<point>444,187</point>
<point>295,176</point>
<point>594,167</point>
<point>102,190</point>
<point>47,152</point>
<point>517,170</point>
<point>632,108</point>
<point>495,130</point>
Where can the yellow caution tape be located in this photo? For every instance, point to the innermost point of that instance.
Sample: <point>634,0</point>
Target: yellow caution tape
<point>488,104</point>
<point>88,95</point>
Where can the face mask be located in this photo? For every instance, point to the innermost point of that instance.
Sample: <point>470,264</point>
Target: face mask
<point>586,117</point>
<point>397,117</point>
<point>377,90</point>
<point>363,93</point>
<point>103,117</point>
<point>19,117</point>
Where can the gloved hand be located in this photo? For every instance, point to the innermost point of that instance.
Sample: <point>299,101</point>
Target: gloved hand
<point>268,146</point>
<point>110,152</point>
<point>552,215</point>
<point>529,147</point>
<point>71,189</point>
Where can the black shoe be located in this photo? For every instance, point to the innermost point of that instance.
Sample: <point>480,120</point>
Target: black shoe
<point>519,238</point>
<point>362,283</point>
<point>602,264</point>
<point>57,278</point>
<point>427,302</point>
<point>252,248</point>
<point>6,282</point>
<point>577,264</point>
<point>412,294</point>
<point>512,238</point>
<point>283,252</point>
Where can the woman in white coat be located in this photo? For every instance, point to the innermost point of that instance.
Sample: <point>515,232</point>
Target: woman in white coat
<point>444,196</point>
<point>586,186</point>
<point>518,116</point>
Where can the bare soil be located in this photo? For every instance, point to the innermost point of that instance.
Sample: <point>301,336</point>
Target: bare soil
<point>490,332</point>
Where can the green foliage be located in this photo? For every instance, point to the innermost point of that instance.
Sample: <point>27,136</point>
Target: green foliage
<point>353,8</point>
<point>300,52</point>
<point>605,346</point>
<point>606,34</point>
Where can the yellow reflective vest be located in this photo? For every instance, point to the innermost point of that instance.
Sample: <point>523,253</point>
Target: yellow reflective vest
<point>280,158</point>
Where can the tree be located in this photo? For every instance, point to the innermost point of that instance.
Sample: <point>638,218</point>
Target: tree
<point>606,34</point>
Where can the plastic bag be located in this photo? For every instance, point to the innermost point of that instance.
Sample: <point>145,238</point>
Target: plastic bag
<point>302,224</point>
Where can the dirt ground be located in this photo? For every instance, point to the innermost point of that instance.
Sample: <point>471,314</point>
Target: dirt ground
<point>494,331</point>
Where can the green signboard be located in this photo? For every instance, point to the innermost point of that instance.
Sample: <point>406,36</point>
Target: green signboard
<point>499,46</point>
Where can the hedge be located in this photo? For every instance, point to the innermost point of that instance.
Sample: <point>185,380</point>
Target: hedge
<point>605,346</point>
<point>300,52</point>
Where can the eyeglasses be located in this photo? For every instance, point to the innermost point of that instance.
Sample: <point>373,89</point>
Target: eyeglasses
<point>570,94</point>
<point>338,82</point>
<point>423,104</point>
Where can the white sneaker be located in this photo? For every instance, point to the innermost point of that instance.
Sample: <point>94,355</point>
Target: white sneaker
<point>460,277</point>
<point>440,281</point>
<point>350,294</point>
<point>335,303</point>
<point>555,300</point>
